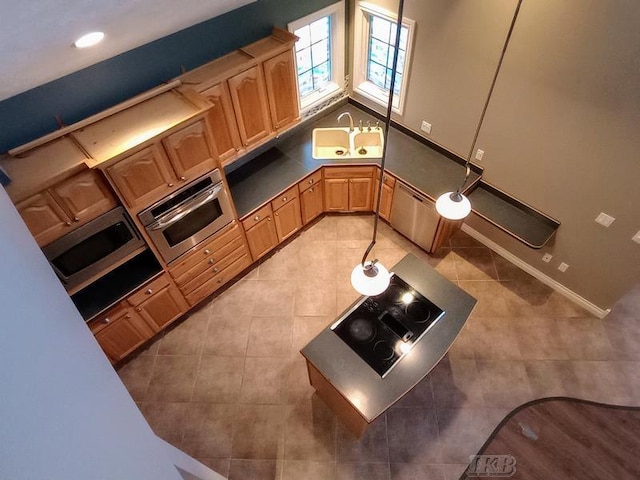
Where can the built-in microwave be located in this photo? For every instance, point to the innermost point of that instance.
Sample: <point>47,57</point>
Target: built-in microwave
<point>180,221</point>
<point>93,248</point>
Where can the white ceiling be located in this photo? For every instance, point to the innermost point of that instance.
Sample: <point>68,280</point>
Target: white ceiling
<point>36,37</point>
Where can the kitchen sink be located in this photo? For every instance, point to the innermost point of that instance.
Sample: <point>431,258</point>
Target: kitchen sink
<point>338,143</point>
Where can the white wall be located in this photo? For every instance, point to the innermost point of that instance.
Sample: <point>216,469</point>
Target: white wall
<point>64,414</point>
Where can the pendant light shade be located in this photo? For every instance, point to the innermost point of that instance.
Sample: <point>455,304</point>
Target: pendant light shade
<point>370,279</point>
<point>453,205</point>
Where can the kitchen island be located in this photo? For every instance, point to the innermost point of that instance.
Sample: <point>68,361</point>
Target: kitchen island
<point>357,393</point>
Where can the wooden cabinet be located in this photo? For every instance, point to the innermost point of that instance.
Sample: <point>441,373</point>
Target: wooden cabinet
<point>211,264</point>
<point>191,151</point>
<point>311,197</point>
<point>66,206</point>
<point>286,213</point>
<point>159,303</point>
<point>222,121</point>
<point>348,189</point>
<point>120,331</point>
<point>386,199</point>
<point>143,177</point>
<point>282,91</point>
<point>249,100</point>
<point>260,231</point>
<point>153,172</point>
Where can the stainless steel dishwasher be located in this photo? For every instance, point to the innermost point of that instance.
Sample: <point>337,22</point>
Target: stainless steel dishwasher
<point>414,215</point>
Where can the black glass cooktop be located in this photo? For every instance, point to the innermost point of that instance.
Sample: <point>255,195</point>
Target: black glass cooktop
<point>382,329</point>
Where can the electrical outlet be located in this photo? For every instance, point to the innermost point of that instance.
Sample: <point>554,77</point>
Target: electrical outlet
<point>604,219</point>
<point>563,267</point>
<point>546,258</point>
<point>425,127</point>
<point>636,237</point>
<point>479,154</point>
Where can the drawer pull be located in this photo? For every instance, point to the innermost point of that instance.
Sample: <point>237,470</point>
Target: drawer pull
<point>207,251</point>
<point>268,219</point>
<point>216,269</point>
<point>284,199</point>
<point>139,309</point>
<point>311,181</point>
<point>256,218</point>
<point>170,184</point>
<point>128,317</point>
<point>311,189</point>
<point>211,261</point>
<point>76,219</point>
<point>149,292</point>
<point>277,214</point>
<point>68,224</point>
<point>183,178</point>
<point>106,320</point>
<point>346,180</point>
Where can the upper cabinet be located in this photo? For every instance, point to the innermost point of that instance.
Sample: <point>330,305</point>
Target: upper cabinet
<point>250,105</point>
<point>191,151</point>
<point>282,90</point>
<point>253,92</point>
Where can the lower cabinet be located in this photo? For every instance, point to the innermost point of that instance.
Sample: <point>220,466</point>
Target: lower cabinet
<point>134,320</point>
<point>386,199</point>
<point>286,213</point>
<point>348,189</point>
<point>211,264</point>
<point>260,230</point>
<point>311,197</point>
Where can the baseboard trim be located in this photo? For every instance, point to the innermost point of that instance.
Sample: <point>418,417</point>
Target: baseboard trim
<point>534,272</point>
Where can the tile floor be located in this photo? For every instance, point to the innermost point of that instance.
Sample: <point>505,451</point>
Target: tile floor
<point>228,386</point>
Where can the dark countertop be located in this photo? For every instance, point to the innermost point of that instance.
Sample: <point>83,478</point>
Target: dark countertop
<point>283,162</point>
<point>369,393</point>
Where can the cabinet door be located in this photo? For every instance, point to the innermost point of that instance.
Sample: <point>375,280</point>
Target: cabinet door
<point>287,219</point>
<point>282,91</point>
<point>222,122</point>
<point>311,203</point>
<point>45,219</point>
<point>143,177</point>
<point>262,237</point>
<point>250,105</point>
<point>84,196</point>
<point>162,307</point>
<point>336,194</point>
<point>360,194</point>
<point>124,332</point>
<point>191,151</point>
<point>386,202</point>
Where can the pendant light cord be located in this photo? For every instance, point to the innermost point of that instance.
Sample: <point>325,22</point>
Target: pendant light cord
<point>486,103</point>
<point>387,127</point>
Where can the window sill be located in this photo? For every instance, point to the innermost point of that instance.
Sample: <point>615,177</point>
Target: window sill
<point>376,94</point>
<point>316,98</point>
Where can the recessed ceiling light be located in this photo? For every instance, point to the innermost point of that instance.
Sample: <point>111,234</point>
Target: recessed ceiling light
<point>89,40</point>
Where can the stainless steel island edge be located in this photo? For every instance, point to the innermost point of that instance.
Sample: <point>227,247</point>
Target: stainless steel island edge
<point>365,390</point>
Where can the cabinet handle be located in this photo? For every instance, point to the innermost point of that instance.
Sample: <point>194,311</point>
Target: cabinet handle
<point>76,219</point>
<point>211,261</point>
<point>138,309</point>
<point>284,199</point>
<point>256,218</point>
<point>346,180</point>
<point>220,280</point>
<point>310,181</point>
<point>237,149</point>
<point>216,269</point>
<point>277,214</point>
<point>268,219</point>
<point>183,178</point>
<point>68,224</point>
<point>106,320</point>
<point>149,292</point>
<point>207,251</point>
<point>311,189</point>
<point>170,184</point>
<point>127,317</point>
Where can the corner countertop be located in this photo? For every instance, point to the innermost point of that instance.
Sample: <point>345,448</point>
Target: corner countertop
<point>283,162</point>
<point>369,393</point>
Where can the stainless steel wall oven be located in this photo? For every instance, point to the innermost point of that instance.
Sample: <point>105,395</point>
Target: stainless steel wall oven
<point>182,220</point>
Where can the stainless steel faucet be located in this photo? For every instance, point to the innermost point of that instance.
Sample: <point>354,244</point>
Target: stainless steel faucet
<point>350,119</point>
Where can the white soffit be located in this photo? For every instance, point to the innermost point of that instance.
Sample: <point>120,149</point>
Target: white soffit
<point>36,38</point>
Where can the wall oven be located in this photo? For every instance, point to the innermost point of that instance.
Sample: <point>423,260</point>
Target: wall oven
<point>181,221</point>
<point>93,248</point>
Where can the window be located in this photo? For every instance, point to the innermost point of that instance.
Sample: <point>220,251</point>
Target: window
<point>374,48</point>
<point>320,54</point>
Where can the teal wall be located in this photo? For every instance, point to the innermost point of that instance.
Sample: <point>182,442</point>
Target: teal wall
<point>31,114</point>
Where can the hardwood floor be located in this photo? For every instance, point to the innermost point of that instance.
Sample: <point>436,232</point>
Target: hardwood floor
<point>563,438</point>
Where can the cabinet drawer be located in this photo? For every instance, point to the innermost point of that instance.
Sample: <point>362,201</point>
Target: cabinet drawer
<point>148,290</point>
<point>256,216</point>
<point>104,319</point>
<point>284,198</point>
<point>214,283</point>
<point>212,261</point>
<point>348,172</point>
<point>313,179</point>
<point>388,179</point>
<point>212,270</point>
<point>204,250</point>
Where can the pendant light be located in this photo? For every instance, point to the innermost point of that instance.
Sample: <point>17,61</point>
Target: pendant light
<point>454,205</point>
<point>371,277</point>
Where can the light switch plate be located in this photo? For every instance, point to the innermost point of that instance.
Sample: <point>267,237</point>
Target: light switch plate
<point>425,127</point>
<point>479,154</point>
<point>604,219</point>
